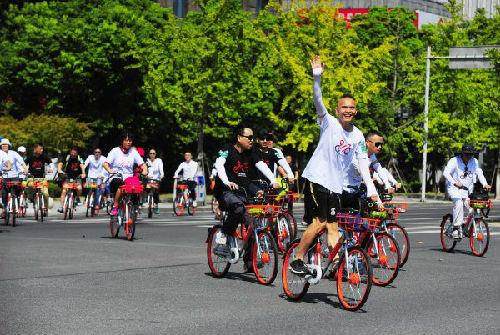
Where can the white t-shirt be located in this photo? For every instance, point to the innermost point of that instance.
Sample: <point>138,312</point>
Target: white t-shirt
<point>188,170</point>
<point>124,162</point>
<point>455,171</point>
<point>3,160</point>
<point>95,166</point>
<point>353,176</point>
<point>17,162</point>
<point>330,162</point>
<point>155,169</point>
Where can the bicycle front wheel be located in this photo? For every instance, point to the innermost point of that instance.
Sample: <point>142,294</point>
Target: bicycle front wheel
<point>294,286</point>
<point>354,279</point>
<point>130,223</point>
<point>217,255</point>
<point>190,207</point>
<point>385,258</point>
<point>401,236</point>
<point>150,205</point>
<point>479,237</point>
<point>178,205</point>
<point>447,241</point>
<point>35,206</point>
<point>265,258</point>
<point>283,232</point>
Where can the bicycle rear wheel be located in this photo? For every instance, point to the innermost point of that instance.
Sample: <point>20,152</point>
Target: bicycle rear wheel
<point>35,206</point>
<point>178,205</point>
<point>447,240</point>
<point>89,202</point>
<point>294,286</point>
<point>190,207</point>
<point>385,259</point>
<point>13,214</point>
<point>41,207</point>
<point>217,255</point>
<point>150,205</point>
<point>265,258</point>
<point>401,236</point>
<point>354,279</point>
<point>479,239</point>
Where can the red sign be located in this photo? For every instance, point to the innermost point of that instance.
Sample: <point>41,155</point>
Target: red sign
<point>347,13</point>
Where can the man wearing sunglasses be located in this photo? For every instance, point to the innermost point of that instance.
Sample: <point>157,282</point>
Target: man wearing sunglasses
<point>340,142</point>
<point>95,163</point>
<point>273,157</point>
<point>460,173</point>
<point>237,165</point>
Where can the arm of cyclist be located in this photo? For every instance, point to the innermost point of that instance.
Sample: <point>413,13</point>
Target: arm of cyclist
<point>60,168</point>
<point>160,165</point>
<point>179,169</point>
<point>482,180</point>
<point>448,170</point>
<point>267,173</point>
<point>383,176</point>
<point>364,170</point>
<point>317,69</point>
<point>82,167</point>
<point>221,172</point>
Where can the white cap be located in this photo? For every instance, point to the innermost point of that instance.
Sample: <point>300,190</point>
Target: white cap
<point>21,149</point>
<point>5,141</point>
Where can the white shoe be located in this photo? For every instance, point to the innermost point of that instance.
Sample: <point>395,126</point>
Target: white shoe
<point>195,204</point>
<point>220,238</point>
<point>456,234</point>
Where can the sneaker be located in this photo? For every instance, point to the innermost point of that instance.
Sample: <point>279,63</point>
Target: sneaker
<point>156,210</point>
<point>456,234</point>
<point>60,209</point>
<point>298,267</point>
<point>220,238</point>
<point>114,211</point>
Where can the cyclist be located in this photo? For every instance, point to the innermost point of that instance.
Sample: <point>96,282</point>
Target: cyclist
<point>36,167</point>
<point>340,142</point>
<point>71,167</point>
<point>189,169</point>
<point>95,164</point>
<point>460,173</point>
<point>273,157</point>
<point>353,179</point>
<point>121,160</point>
<point>22,152</point>
<point>392,181</point>
<point>155,171</point>
<point>237,165</point>
<point>12,170</point>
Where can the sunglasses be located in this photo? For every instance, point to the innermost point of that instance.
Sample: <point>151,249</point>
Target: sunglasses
<point>250,137</point>
<point>268,139</point>
<point>466,172</point>
<point>377,144</point>
<point>152,153</point>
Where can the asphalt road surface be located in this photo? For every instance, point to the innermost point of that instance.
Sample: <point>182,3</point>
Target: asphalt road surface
<point>70,277</point>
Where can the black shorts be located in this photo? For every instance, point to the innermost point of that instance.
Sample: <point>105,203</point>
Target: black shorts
<point>114,184</point>
<point>350,200</point>
<point>320,203</point>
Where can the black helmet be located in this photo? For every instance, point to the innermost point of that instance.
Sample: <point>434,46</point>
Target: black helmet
<point>468,148</point>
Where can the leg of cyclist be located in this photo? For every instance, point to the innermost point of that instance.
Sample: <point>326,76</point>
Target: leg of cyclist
<point>156,200</point>
<point>5,195</point>
<point>63,196</point>
<point>98,193</point>
<point>192,191</point>
<point>235,206</point>
<point>115,189</point>
<point>458,216</point>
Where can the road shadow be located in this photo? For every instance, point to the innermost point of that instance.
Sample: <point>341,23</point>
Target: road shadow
<point>314,298</point>
<point>248,277</point>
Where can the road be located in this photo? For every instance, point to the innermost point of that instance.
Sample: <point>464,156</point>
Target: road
<point>69,277</point>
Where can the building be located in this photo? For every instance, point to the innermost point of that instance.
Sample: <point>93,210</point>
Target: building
<point>429,11</point>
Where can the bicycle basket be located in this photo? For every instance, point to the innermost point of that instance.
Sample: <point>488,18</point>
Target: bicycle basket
<point>182,187</point>
<point>15,184</point>
<point>480,204</point>
<point>400,207</point>
<point>479,196</point>
<point>90,184</point>
<point>262,210</point>
<point>132,186</point>
<point>356,223</point>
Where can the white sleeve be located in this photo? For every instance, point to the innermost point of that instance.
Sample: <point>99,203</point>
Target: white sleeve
<point>138,159</point>
<point>382,175</point>
<point>265,171</point>
<point>448,170</point>
<point>284,164</point>
<point>111,157</point>
<point>221,170</point>
<point>318,96</point>
<point>160,164</point>
<point>179,169</point>
<point>390,177</point>
<point>480,176</point>
<point>87,161</point>
<point>364,171</point>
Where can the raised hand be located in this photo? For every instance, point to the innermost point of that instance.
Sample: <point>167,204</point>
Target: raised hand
<point>316,64</point>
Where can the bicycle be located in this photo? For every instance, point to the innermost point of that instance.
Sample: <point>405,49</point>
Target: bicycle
<point>353,270</point>
<point>23,200</point>
<point>152,186</point>
<point>69,204</point>
<point>39,206</point>
<point>475,228</point>
<point>182,199</point>
<point>12,210</point>
<point>128,208</point>
<point>92,185</point>
<point>263,253</point>
<point>396,230</point>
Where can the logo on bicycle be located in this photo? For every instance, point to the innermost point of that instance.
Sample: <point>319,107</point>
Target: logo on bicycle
<point>343,147</point>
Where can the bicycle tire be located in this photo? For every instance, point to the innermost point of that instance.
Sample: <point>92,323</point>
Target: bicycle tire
<point>283,233</point>
<point>41,207</point>
<point>479,236</point>
<point>35,206</point>
<point>88,202</point>
<point>385,264</point>
<point>361,274</point>
<point>403,240</point>
<point>190,207</point>
<point>217,271</point>
<point>130,223</point>
<point>448,243</point>
<point>178,205</point>
<point>150,206</point>
<point>14,212</point>
<point>294,286</point>
<point>293,225</point>
<point>268,256</point>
